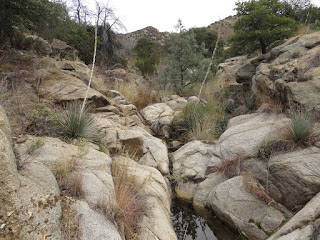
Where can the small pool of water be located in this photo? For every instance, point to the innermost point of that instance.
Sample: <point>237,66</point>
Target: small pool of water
<point>191,225</point>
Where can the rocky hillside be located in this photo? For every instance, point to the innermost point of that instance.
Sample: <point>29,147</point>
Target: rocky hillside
<point>148,32</point>
<point>225,25</point>
<point>257,180</point>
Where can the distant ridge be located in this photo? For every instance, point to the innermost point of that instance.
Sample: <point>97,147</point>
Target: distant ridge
<point>148,32</point>
<point>226,29</point>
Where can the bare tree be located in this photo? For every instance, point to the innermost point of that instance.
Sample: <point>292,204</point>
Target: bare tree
<point>109,24</point>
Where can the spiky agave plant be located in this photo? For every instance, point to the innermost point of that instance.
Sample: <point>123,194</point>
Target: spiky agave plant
<point>71,123</point>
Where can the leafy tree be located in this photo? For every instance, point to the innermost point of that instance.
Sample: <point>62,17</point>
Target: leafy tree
<point>206,36</point>
<point>301,10</point>
<point>260,25</point>
<point>186,62</point>
<point>147,53</point>
<point>50,19</point>
<point>40,16</point>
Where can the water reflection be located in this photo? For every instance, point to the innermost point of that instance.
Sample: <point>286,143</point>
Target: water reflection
<point>190,226</point>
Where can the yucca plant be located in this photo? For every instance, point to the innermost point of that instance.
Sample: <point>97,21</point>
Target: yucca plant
<point>300,129</point>
<point>71,123</point>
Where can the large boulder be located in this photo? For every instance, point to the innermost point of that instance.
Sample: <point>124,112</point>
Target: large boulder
<point>36,203</point>
<point>159,116</point>
<point>246,133</point>
<point>195,160</point>
<point>229,67</point>
<point>59,87</point>
<point>135,141</point>
<point>156,222</point>
<point>244,211</point>
<point>204,189</point>
<point>94,225</point>
<point>303,225</point>
<point>63,50</point>
<point>176,103</point>
<point>296,176</point>
<point>191,164</point>
<point>91,167</point>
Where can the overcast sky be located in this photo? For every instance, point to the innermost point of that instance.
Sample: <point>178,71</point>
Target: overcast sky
<point>164,14</point>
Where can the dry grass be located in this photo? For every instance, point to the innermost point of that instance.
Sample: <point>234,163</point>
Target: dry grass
<point>255,188</point>
<point>69,225</point>
<point>265,151</point>
<point>140,96</point>
<point>129,204</point>
<point>271,106</point>
<point>70,181</point>
<point>303,30</point>
<point>231,167</point>
<point>210,88</point>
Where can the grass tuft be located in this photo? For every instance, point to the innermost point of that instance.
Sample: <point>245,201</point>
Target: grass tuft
<point>140,96</point>
<point>72,125</point>
<point>300,129</point>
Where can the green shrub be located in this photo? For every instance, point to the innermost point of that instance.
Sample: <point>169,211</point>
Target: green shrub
<point>300,128</point>
<point>72,125</point>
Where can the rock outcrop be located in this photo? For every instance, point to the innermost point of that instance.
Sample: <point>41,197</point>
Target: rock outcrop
<point>296,175</point>
<point>215,176</point>
<point>94,225</point>
<point>93,168</point>
<point>28,205</point>
<point>235,205</point>
<point>288,74</point>
<point>303,225</point>
<point>135,141</point>
<point>61,87</point>
<point>246,133</point>
<point>160,116</point>
<point>9,181</point>
<point>62,50</point>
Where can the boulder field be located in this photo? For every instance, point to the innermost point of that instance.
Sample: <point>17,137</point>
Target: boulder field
<point>48,185</point>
